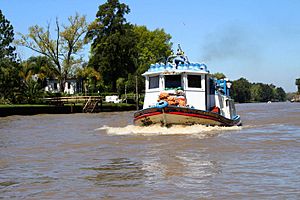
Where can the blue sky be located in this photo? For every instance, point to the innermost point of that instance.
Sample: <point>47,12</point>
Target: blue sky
<point>255,39</point>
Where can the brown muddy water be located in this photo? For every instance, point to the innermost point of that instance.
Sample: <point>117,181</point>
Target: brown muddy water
<point>103,156</point>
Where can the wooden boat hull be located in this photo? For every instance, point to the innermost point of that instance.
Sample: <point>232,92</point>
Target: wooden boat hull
<point>181,115</point>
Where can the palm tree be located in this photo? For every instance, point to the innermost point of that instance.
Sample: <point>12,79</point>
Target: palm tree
<point>30,90</point>
<point>33,74</point>
<point>43,67</point>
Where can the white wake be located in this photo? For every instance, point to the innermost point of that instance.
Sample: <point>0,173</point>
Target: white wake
<point>197,130</point>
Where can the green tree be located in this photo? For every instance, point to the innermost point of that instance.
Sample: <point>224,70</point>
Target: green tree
<point>262,92</point>
<point>30,89</point>
<point>219,75</point>
<point>9,81</point>
<point>33,78</point>
<point>297,82</point>
<point>7,51</point>
<point>90,77</point>
<point>280,94</point>
<point>267,92</point>
<point>131,83</point>
<point>121,84</point>
<point>113,49</point>
<point>256,92</point>
<point>43,68</point>
<point>152,46</point>
<point>241,90</point>
<point>63,49</point>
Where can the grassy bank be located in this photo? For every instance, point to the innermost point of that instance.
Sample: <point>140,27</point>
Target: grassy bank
<point>22,105</point>
<point>32,109</point>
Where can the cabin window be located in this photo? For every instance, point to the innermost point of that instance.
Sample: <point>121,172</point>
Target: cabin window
<point>55,86</point>
<point>69,85</point>
<point>172,81</point>
<point>194,81</point>
<point>211,86</point>
<point>153,82</point>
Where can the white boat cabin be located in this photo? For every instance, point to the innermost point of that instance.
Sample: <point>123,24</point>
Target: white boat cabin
<point>189,85</point>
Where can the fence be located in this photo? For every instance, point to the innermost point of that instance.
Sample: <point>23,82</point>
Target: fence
<point>71,100</point>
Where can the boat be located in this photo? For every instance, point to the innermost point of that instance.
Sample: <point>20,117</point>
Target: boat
<point>180,92</point>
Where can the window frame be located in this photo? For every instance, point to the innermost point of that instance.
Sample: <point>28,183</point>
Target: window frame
<point>179,75</point>
<point>149,85</point>
<point>194,75</point>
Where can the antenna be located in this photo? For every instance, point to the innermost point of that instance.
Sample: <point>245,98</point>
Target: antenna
<point>179,47</point>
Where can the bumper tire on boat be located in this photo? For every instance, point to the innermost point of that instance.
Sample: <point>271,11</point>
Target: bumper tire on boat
<point>161,104</point>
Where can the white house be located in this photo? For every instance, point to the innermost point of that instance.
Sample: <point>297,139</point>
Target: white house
<point>72,86</point>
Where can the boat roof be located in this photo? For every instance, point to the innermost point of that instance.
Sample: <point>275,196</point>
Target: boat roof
<point>177,64</point>
<point>162,69</point>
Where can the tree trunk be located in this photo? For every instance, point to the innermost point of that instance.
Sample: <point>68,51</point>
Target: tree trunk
<point>61,85</point>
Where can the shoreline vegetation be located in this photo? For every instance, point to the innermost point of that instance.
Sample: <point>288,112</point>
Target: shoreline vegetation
<point>120,52</point>
<point>33,109</point>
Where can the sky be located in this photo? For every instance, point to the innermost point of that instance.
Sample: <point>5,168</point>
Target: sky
<point>255,39</point>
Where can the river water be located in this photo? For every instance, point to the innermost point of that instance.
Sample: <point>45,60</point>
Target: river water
<point>103,156</point>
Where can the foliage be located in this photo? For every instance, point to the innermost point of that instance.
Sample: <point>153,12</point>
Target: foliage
<point>241,90</point>
<point>113,41</point>
<point>4,101</point>
<point>120,50</point>
<point>131,83</point>
<point>261,92</point>
<point>152,46</point>
<point>33,73</point>
<point>219,75</point>
<point>6,38</point>
<point>26,80</point>
<point>42,66</point>
<point>90,78</point>
<point>9,81</point>
<point>31,92</point>
<point>297,82</point>
<point>120,53</point>
<point>256,91</point>
<point>244,91</point>
<point>280,94</point>
<point>62,50</point>
<point>267,94</point>
<point>121,84</point>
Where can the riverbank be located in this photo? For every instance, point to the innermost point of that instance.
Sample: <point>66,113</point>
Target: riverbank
<point>7,110</point>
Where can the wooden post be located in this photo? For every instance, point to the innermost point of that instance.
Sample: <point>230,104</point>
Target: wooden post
<point>101,100</point>
<point>125,93</point>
